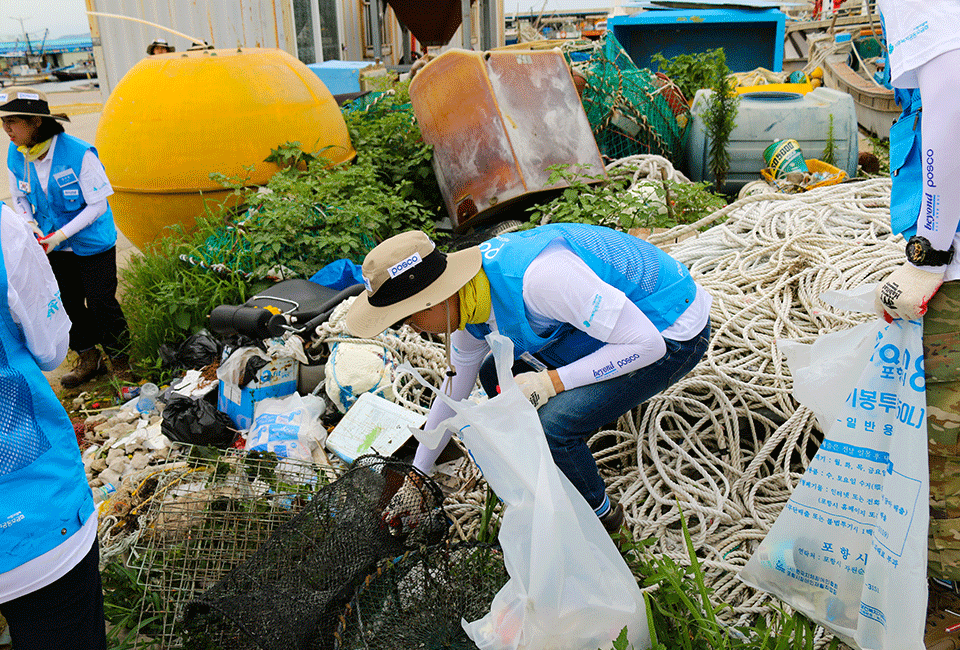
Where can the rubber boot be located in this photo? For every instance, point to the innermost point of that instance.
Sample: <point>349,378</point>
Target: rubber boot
<point>89,364</point>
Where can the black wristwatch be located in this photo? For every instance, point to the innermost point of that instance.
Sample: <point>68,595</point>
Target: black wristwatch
<point>921,253</point>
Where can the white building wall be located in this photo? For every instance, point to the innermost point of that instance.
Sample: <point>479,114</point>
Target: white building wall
<point>119,43</point>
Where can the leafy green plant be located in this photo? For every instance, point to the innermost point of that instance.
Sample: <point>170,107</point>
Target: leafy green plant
<point>829,154</point>
<point>720,120</point>
<point>171,298</point>
<point>127,606</point>
<point>680,611</point>
<point>617,203</point>
<point>691,72</point>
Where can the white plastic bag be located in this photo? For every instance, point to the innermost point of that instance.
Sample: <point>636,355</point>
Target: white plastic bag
<point>569,587</point>
<point>288,426</point>
<point>849,549</point>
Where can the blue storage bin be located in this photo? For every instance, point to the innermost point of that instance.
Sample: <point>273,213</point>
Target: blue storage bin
<point>750,38</point>
<point>340,77</point>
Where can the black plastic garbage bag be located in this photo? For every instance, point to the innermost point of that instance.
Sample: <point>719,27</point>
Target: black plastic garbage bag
<point>197,351</point>
<point>196,421</point>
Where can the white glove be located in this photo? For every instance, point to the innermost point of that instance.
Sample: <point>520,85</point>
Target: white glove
<point>906,291</point>
<point>52,240</point>
<point>537,387</point>
<point>36,229</point>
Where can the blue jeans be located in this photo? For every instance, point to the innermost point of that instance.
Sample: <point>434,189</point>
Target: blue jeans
<point>574,415</point>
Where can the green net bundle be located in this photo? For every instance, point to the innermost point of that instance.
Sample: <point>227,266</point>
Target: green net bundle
<point>632,110</point>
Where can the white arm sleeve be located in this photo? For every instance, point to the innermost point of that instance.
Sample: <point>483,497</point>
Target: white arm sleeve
<point>33,296</point>
<point>940,135</point>
<point>579,297</point>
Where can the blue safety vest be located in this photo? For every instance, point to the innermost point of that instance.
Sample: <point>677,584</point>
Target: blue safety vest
<point>63,199</point>
<point>658,284</point>
<point>44,495</point>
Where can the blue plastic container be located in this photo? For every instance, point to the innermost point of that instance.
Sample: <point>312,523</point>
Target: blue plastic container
<point>340,77</point>
<point>750,38</point>
<point>766,117</point>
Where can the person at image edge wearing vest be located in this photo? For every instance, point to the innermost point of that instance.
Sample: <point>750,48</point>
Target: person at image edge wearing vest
<point>58,185</point>
<point>923,49</point>
<point>612,319</point>
<point>50,590</point>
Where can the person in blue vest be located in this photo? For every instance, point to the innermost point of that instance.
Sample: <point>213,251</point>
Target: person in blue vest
<point>600,320</point>
<point>59,186</point>
<point>923,54</point>
<point>50,589</point>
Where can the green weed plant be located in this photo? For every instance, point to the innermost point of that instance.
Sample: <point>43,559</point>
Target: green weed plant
<point>609,202</point>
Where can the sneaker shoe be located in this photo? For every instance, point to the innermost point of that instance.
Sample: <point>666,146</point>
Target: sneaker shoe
<point>89,364</point>
<point>942,630</point>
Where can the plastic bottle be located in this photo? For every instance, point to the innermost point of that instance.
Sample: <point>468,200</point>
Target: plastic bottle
<point>103,493</point>
<point>148,398</point>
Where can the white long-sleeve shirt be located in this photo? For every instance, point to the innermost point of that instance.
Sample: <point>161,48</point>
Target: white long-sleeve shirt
<point>552,298</point>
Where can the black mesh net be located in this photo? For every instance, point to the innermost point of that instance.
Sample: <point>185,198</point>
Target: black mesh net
<point>292,592</point>
<point>418,600</point>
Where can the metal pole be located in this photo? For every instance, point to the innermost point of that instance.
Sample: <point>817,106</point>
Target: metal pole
<point>465,25</point>
<point>375,27</point>
<point>317,33</point>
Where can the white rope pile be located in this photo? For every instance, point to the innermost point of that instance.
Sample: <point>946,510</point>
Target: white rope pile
<point>727,443</point>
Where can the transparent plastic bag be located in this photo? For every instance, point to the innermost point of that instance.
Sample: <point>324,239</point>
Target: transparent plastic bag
<point>849,548</point>
<point>569,587</point>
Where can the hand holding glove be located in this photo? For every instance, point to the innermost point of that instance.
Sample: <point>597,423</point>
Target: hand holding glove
<point>537,387</point>
<point>906,291</point>
<point>52,240</point>
<point>36,229</point>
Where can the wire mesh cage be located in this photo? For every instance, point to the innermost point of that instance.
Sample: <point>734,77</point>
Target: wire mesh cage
<point>193,520</point>
<point>290,594</point>
<point>631,110</point>
<point>419,599</point>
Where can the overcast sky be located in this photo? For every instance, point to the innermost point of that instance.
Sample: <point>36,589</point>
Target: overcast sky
<point>62,17</point>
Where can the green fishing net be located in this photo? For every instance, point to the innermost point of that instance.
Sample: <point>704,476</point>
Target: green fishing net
<point>631,110</point>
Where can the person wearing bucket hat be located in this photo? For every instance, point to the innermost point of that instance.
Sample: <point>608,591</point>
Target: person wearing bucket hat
<point>600,321</point>
<point>923,58</point>
<point>160,46</point>
<point>59,186</point>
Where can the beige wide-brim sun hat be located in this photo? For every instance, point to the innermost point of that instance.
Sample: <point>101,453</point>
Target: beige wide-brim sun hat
<point>406,274</point>
<point>26,102</point>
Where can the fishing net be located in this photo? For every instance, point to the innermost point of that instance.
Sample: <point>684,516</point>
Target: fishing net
<point>418,600</point>
<point>290,594</point>
<point>631,110</point>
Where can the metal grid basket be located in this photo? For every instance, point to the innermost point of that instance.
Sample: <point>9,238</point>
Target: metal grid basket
<point>202,518</point>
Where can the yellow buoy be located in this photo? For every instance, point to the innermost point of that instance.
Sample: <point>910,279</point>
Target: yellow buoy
<point>174,119</point>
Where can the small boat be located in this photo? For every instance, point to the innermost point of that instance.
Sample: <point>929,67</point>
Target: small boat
<point>844,69</point>
<point>75,72</point>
